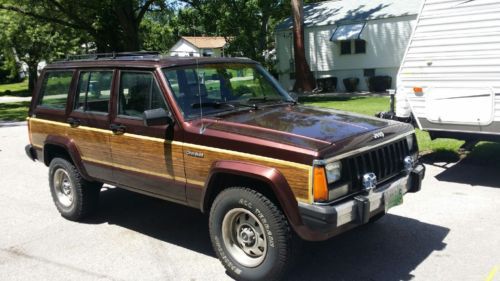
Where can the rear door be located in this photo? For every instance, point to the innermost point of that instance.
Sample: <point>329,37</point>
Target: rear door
<point>89,121</point>
<point>145,157</point>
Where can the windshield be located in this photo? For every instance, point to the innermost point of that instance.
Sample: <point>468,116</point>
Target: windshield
<point>222,87</point>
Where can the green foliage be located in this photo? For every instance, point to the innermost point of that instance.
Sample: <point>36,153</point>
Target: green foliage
<point>158,31</point>
<point>248,24</point>
<point>15,89</point>
<point>9,69</point>
<point>15,111</point>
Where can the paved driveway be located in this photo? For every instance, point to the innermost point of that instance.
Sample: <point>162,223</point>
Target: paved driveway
<point>448,231</point>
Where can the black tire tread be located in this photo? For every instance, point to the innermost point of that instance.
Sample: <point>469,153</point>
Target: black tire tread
<point>284,236</point>
<point>87,192</point>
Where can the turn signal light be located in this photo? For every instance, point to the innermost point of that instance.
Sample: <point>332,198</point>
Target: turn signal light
<point>320,188</point>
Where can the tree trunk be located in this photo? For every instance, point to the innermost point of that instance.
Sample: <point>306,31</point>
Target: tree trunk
<point>304,79</point>
<point>32,75</point>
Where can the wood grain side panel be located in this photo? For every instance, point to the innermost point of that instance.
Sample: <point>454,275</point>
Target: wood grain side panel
<point>151,155</point>
<point>40,130</point>
<point>197,169</point>
<point>91,143</point>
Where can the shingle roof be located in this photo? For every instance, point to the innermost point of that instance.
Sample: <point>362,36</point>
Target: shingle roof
<point>206,42</point>
<point>331,12</point>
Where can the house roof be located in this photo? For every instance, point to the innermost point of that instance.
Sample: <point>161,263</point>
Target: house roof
<point>337,11</point>
<point>206,42</point>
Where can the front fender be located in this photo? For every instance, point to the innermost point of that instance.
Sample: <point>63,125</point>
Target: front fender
<point>274,179</point>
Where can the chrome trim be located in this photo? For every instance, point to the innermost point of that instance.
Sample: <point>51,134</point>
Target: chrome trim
<point>320,162</point>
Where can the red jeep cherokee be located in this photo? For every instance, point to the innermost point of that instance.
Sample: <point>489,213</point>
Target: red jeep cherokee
<point>220,135</point>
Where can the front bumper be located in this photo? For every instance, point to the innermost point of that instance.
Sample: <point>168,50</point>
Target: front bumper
<point>325,221</point>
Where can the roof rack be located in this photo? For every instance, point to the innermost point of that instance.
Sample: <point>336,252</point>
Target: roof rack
<point>111,56</point>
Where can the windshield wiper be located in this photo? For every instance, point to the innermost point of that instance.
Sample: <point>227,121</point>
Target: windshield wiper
<point>263,99</point>
<point>214,104</point>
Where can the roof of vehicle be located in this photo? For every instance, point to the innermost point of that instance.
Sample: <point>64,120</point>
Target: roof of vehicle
<point>140,59</point>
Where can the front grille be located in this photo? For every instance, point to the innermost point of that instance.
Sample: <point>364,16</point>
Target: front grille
<point>385,162</point>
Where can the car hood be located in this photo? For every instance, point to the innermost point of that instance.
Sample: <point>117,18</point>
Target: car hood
<point>303,126</point>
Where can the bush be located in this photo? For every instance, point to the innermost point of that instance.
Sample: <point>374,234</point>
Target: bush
<point>379,83</point>
<point>9,71</point>
<point>351,84</point>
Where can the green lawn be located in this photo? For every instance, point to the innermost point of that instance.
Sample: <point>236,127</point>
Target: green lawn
<point>14,111</point>
<point>16,89</point>
<point>444,148</point>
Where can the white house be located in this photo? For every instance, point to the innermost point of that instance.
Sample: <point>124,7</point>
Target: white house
<point>350,38</point>
<point>206,46</point>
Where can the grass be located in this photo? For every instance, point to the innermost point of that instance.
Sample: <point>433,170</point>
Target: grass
<point>442,149</point>
<point>15,89</point>
<point>14,111</point>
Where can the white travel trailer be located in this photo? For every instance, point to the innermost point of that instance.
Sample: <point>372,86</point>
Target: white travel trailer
<point>449,79</point>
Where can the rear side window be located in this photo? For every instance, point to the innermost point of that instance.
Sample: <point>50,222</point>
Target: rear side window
<point>55,88</point>
<point>94,91</point>
<point>139,92</point>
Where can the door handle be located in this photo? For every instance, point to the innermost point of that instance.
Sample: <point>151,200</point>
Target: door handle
<point>73,122</point>
<point>117,128</point>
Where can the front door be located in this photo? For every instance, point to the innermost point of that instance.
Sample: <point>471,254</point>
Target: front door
<point>145,158</point>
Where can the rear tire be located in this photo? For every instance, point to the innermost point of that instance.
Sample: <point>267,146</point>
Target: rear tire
<point>250,235</point>
<point>73,196</point>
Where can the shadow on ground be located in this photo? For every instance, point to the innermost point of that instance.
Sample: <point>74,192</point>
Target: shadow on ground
<point>387,250</point>
<point>477,168</point>
<point>169,222</point>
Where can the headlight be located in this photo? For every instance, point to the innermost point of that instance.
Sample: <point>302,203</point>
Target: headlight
<point>410,140</point>
<point>333,172</point>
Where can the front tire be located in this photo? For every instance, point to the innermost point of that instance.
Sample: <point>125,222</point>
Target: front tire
<point>73,196</point>
<point>250,235</point>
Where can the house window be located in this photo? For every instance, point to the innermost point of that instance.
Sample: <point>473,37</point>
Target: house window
<point>369,72</point>
<point>208,52</point>
<point>359,46</point>
<point>345,47</point>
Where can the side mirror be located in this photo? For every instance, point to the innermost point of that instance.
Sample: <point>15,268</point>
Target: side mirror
<point>157,117</point>
<point>294,96</point>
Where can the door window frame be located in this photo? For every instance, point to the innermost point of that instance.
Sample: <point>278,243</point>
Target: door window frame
<point>116,109</point>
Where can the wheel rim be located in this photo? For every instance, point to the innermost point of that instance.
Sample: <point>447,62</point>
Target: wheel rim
<point>244,237</point>
<point>63,187</point>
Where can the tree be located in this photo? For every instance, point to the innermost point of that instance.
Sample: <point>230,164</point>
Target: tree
<point>247,23</point>
<point>33,41</point>
<point>113,24</point>
<point>304,79</point>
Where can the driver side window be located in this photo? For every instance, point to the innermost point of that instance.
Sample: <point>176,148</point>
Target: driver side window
<point>139,92</point>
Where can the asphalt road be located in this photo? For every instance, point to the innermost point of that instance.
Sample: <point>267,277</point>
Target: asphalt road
<point>448,231</point>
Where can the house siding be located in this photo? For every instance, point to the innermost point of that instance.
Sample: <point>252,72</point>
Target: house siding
<point>183,48</point>
<point>386,41</point>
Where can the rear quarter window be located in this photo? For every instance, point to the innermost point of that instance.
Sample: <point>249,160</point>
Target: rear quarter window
<point>55,89</point>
